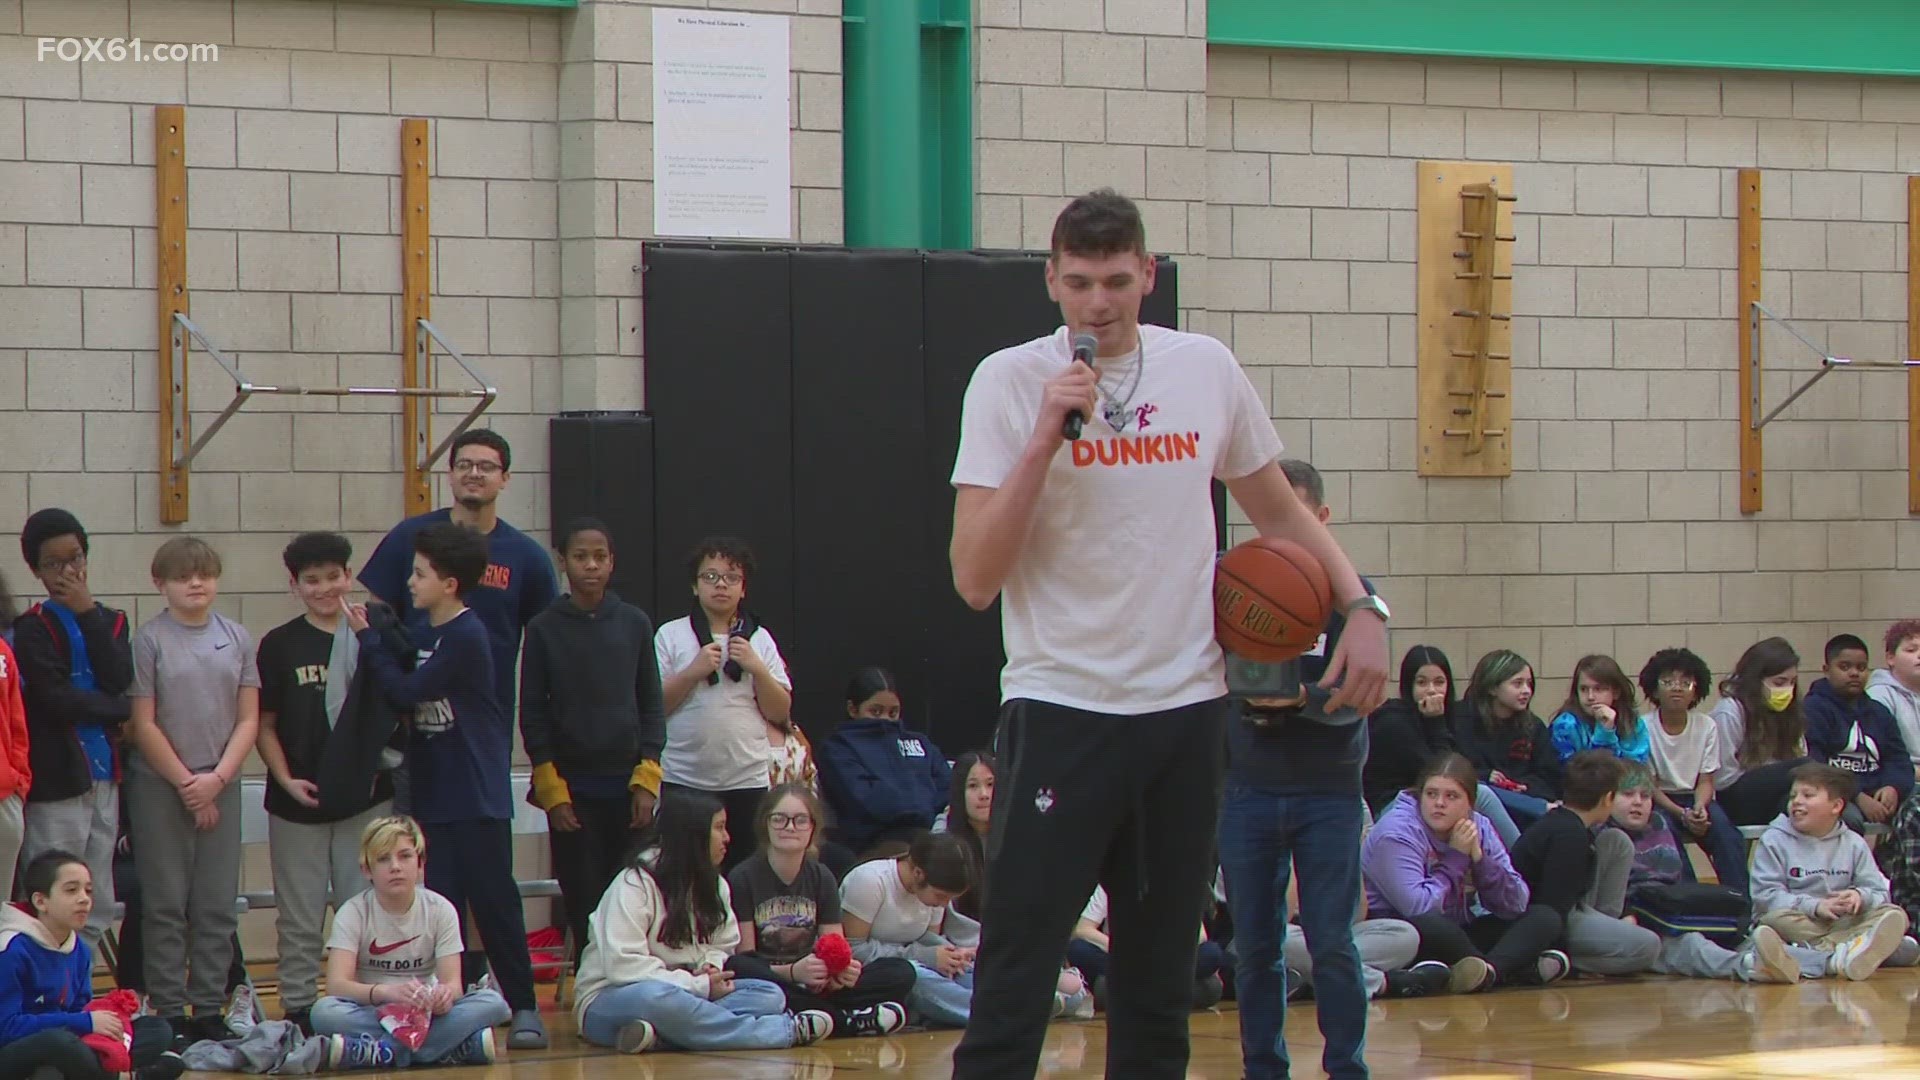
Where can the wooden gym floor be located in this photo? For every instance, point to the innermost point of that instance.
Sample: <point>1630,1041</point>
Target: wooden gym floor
<point>1615,1029</point>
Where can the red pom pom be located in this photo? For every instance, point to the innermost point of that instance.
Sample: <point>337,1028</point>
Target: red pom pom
<point>833,950</point>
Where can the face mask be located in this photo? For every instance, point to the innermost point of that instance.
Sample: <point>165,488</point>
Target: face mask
<point>1778,700</point>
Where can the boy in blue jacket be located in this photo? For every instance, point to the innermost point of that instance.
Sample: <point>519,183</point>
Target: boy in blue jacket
<point>46,981</point>
<point>882,781</point>
<point>1856,734</point>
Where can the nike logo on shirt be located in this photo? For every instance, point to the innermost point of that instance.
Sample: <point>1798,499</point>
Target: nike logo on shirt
<point>378,949</point>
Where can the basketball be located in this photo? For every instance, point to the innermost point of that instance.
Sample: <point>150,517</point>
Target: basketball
<point>1271,600</point>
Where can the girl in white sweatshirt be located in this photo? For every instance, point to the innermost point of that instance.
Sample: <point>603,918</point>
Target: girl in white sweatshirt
<point>653,970</point>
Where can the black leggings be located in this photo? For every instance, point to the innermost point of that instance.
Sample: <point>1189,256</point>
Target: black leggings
<point>886,979</point>
<point>1760,794</point>
<point>1512,946</point>
<point>58,1052</point>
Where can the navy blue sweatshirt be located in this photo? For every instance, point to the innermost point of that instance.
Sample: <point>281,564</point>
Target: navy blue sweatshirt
<point>1858,736</point>
<point>519,583</point>
<point>460,749</point>
<point>877,775</point>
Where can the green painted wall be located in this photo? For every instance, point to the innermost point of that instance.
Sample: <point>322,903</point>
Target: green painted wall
<point>1860,37</point>
<point>908,115</point>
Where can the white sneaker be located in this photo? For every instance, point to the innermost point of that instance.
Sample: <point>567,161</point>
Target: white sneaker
<point>1552,966</point>
<point>635,1037</point>
<point>1769,961</point>
<point>243,1010</point>
<point>810,1027</point>
<point>1860,956</point>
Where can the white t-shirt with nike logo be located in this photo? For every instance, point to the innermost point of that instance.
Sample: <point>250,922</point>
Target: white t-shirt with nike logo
<point>391,948</point>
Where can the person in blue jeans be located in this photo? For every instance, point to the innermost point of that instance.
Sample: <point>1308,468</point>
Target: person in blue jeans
<point>1684,753</point>
<point>654,970</point>
<point>1294,799</point>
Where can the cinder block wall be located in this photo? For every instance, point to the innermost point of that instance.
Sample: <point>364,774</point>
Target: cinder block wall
<point>1620,529</point>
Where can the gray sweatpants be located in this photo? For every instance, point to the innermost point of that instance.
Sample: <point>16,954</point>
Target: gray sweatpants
<point>1384,945</point>
<point>1598,939</point>
<point>86,825</point>
<point>12,828</point>
<point>312,866</point>
<point>188,882</point>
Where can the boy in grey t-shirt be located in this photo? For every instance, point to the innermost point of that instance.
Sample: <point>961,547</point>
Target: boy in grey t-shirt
<point>195,711</point>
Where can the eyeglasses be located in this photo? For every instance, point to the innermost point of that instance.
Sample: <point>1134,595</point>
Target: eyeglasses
<point>57,565</point>
<point>1676,682</point>
<point>484,468</point>
<point>790,821</point>
<point>715,577</point>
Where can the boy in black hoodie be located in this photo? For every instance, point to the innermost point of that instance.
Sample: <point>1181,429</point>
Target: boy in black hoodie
<point>76,663</point>
<point>592,719</point>
<point>1857,734</point>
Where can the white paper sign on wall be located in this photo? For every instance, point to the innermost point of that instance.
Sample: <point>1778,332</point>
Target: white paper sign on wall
<point>722,156</point>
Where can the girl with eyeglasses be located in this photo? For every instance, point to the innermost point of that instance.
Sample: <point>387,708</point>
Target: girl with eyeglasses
<point>724,684</point>
<point>1685,747</point>
<point>786,900</point>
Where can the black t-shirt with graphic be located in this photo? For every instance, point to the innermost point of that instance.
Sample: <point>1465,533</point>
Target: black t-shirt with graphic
<point>786,918</point>
<point>293,662</point>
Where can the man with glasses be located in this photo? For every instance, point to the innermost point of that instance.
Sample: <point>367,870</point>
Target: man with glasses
<point>518,584</point>
<point>76,665</point>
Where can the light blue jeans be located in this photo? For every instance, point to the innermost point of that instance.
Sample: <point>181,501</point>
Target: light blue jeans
<point>473,1012</point>
<point>938,1000</point>
<point>753,1017</point>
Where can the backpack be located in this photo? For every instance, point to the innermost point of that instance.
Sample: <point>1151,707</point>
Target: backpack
<point>1723,915</point>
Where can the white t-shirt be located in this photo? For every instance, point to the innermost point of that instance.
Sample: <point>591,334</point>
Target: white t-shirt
<point>1096,909</point>
<point>394,948</point>
<point>1110,606</point>
<point>716,739</point>
<point>1678,760</point>
<point>873,892</point>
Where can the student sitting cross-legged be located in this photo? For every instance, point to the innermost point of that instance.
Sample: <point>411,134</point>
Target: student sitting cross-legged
<point>1418,863</point>
<point>1815,882</point>
<point>786,901</point>
<point>1568,868</point>
<point>654,971</point>
<point>1509,747</point>
<point>46,986</point>
<point>398,942</point>
<point>895,907</point>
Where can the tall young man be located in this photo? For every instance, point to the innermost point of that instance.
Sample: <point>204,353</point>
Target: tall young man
<point>1114,691</point>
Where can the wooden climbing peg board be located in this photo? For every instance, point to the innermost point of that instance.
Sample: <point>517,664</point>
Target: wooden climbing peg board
<point>1465,332</point>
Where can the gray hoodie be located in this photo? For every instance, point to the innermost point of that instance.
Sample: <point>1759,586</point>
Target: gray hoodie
<point>1793,871</point>
<point>1903,703</point>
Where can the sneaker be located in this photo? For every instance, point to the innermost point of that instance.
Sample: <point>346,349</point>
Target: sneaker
<point>635,1037</point>
<point>1860,956</point>
<point>1299,987</point>
<point>882,1019</point>
<point>1470,976</point>
<point>300,1018</point>
<point>810,1027</point>
<point>1423,978</point>
<point>168,1066</point>
<point>1552,966</point>
<point>1770,962</point>
<point>358,1052</point>
<point>243,1010</point>
<point>527,1032</point>
<point>477,1050</point>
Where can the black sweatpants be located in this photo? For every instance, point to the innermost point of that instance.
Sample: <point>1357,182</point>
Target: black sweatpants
<point>586,860</point>
<point>1082,798</point>
<point>471,864</point>
<point>886,979</point>
<point>741,804</point>
<point>59,1050</point>
<point>1512,946</point>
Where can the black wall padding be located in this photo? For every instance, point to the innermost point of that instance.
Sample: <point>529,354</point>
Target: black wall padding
<point>719,374</point>
<point>860,503</point>
<point>602,466</point>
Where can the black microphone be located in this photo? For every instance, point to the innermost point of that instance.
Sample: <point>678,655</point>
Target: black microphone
<point>1083,347</point>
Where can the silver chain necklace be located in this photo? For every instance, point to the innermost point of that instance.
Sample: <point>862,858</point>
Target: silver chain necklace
<point>1118,411</point>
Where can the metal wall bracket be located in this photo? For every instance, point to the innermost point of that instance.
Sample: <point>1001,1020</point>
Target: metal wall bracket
<point>1757,315</point>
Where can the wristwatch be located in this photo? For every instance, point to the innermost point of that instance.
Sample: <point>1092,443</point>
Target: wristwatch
<point>1368,603</point>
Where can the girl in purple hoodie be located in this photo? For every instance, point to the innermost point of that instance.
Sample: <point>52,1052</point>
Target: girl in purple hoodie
<point>1418,863</point>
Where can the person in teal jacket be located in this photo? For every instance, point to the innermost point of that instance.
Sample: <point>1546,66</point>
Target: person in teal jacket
<point>1599,713</point>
